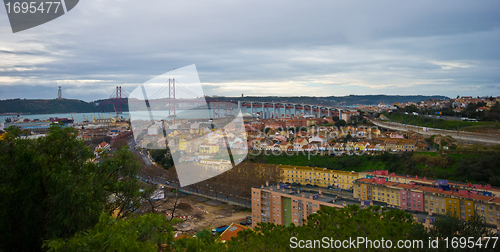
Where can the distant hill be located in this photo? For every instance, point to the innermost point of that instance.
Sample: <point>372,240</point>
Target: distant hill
<point>39,106</point>
<point>339,100</point>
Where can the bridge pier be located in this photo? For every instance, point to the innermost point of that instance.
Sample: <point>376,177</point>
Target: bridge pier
<point>274,110</point>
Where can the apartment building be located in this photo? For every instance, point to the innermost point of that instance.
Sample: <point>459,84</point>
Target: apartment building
<point>435,200</point>
<point>486,190</point>
<point>283,206</point>
<point>412,198</point>
<point>488,207</point>
<point>208,148</point>
<point>403,196</point>
<point>317,176</point>
<point>420,198</point>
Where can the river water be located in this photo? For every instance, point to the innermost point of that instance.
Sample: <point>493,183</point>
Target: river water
<point>141,115</point>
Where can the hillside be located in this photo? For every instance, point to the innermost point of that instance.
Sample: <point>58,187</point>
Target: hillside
<point>39,106</point>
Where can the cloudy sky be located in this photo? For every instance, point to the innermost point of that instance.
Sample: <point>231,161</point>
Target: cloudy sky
<point>314,48</point>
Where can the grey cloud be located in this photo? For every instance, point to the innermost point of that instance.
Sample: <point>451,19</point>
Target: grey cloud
<point>126,43</point>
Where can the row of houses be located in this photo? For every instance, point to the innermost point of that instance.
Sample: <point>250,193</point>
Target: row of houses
<point>284,123</point>
<point>319,144</point>
<point>404,192</point>
<point>431,196</point>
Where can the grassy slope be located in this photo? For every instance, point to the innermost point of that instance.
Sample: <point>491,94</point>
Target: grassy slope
<point>441,123</point>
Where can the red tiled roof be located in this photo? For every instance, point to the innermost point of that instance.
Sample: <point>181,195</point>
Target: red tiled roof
<point>365,180</point>
<point>181,236</point>
<point>389,183</point>
<point>434,190</point>
<point>231,231</point>
<point>404,186</point>
<point>480,197</point>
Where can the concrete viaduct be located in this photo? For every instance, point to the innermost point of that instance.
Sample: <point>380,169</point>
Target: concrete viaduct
<point>275,110</point>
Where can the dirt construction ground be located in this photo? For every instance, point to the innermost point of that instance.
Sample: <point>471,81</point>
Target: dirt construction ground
<point>203,213</point>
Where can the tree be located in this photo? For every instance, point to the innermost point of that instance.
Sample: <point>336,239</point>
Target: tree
<point>340,123</point>
<point>119,143</point>
<point>204,241</point>
<point>449,226</point>
<point>141,233</point>
<point>50,189</point>
<point>373,223</point>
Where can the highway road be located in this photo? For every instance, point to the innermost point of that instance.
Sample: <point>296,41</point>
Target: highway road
<point>143,153</point>
<point>173,182</point>
<point>464,136</point>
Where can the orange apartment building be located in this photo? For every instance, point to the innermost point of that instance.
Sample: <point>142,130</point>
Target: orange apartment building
<point>283,206</point>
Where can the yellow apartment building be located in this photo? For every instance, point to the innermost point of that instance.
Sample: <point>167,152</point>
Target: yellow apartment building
<point>489,208</point>
<point>377,190</point>
<point>317,176</point>
<point>461,204</point>
<point>208,148</point>
<point>435,200</point>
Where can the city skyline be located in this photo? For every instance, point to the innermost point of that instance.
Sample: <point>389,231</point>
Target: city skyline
<point>259,49</point>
